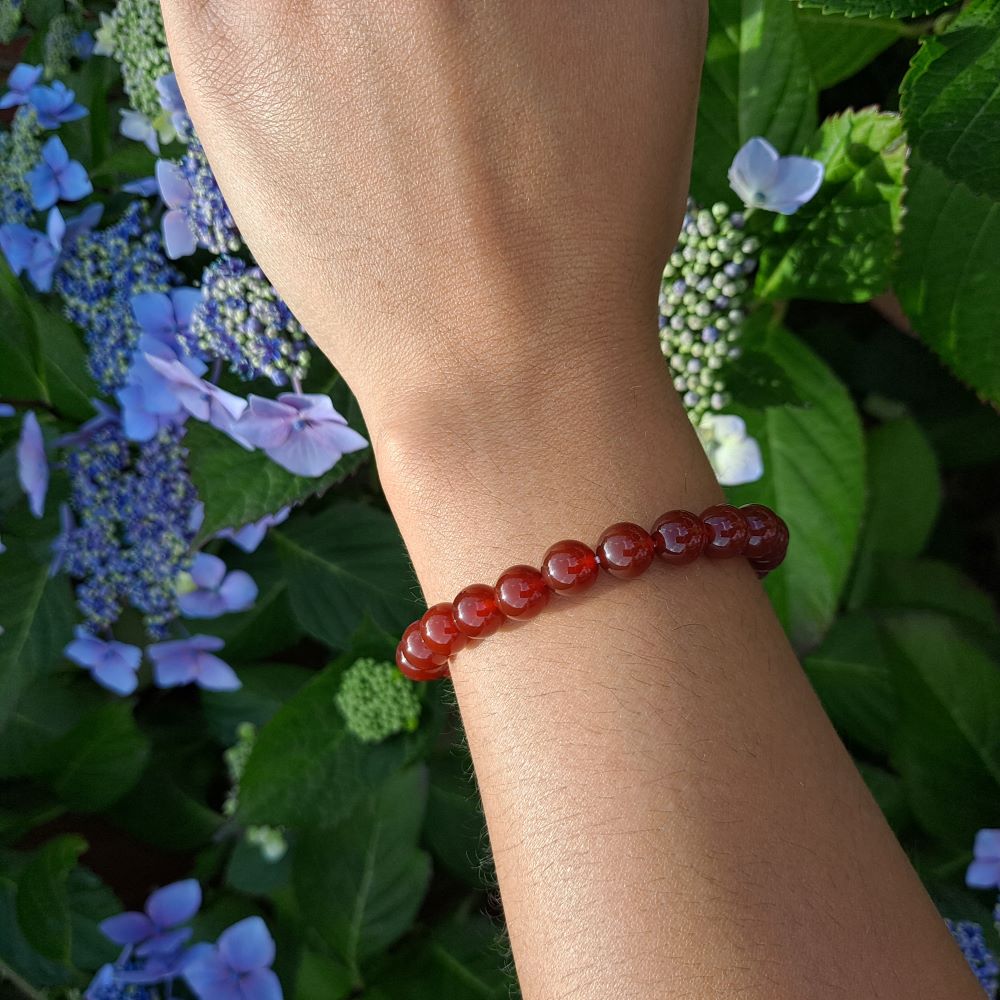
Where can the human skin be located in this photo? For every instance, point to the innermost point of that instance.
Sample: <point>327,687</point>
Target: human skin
<point>469,206</point>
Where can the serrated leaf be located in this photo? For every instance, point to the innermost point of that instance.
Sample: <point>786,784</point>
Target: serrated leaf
<point>756,81</point>
<point>877,8</point>
<point>814,475</point>
<point>838,47</point>
<point>947,744</point>
<point>455,829</point>
<point>950,100</point>
<point>342,563</point>
<point>42,899</point>
<point>361,882</point>
<point>946,278</point>
<point>840,245</point>
<point>239,486</point>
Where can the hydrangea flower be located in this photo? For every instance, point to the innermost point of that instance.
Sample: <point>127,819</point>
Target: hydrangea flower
<point>213,591</point>
<point>136,126</point>
<point>735,456</point>
<point>167,315</point>
<point>178,236</point>
<point>19,85</point>
<point>112,664</point>
<point>763,179</point>
<point>61,43</point>
<point>169,94</point>
<point>159,930</point>
<point>984,871</point>
<point>970,939</point>
<point>20,151</point>
<point>144,186</point>
<point>148,401</point>
<point>190,661</point>
<point>57,177</point>
<point>249,536</point>
<point>32,466</point>
<point>377,701</point>
<point>303,433</point>
<point>39,254</point>
<point>138,43</point>
<point>10,20</point>
<point>56,105</point>
<point>238,967</point>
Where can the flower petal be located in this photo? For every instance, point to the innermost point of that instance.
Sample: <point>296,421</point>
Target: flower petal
<point>209,977</point>
<point>247,945</point>
<point>798,178</point>
<point>987,845</point>
<point>208,571</point>
<point>154,312</point>
<point>32,467</point>
<point>54,153</point>
<point>261,984</point>
<point>43,186</point>
<point>174,671</point>
<point>756,163</point>
<point>983,875</point>
<point>201,604</point>
<point>178,239</point>
<point>74,183</point>
<point>174,188</point>
<point>238,591</point>
<point>174,904</point>
<point>215,675</point>
<point>116,676</point>
<point>127,928</point>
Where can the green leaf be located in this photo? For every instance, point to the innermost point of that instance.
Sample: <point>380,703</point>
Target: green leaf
<point>19,377</point>
<point>361,882</point>
<point>945,277</point>
<point>756,81</point>
<point>455,829</point>
<point>887,790</point>
<point>99,760</point>
<point>38,13</point>
<point>69,386</point>
<point>814,476</point>
<point>239,486</point>
<point>305,768</point>
<point>877,8</point>
<point>266,687</point>
<point>839,246</point>
<point>42,899</point>
<point>838,47</point>
<point>248,871</point>
<point>951,103</point>
<point>947,745</point>
<point>851,675</point>
<point>342,563</point>
<point>36,612</point>
<point>322,976</point>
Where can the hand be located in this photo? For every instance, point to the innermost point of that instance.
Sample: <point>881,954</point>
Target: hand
<point>444,191</point>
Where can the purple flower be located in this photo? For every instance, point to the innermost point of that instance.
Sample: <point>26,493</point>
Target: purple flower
<point>39,253</point>
<point>22,78</point>
<point>157,932</point>
<point>112,664</point>
<point>32,467</point>
<point>83,45</point>
<point>187,661</point>
<point>237,967</point>
<point>55,105</point>
<point>172,102</point>
<point>302,433</point>
<point>249,537</point>
<point>984,872</point>
<point>763,179</point>
<point>216,591</point>
<point>144,186</point>
<point>136,126</point>
<point>6,410</point>
<point>178,236</point>
<point>57,177</point>
<point>166,315</point>
<point>105,415</point>
<point>203,400</point>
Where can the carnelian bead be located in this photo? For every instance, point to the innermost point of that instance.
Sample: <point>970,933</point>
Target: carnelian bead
<point>417,651</point>
<point>477,613</point>
<point>415,673</point>
<point>625,550</point>
<point>439,631</point>
<point>727,531</point>
<point>570,567</point>
<point>522,592</point>
<point>763,531</point>
<point>679,537</point>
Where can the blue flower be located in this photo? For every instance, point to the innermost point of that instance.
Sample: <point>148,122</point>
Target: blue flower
<point>158,931</point>
<point>763,179</point>
<point>970,939</point>
<point>167,315</point>
<point>136,126</point>
<point>83,45</point>
<point>147,399</point>
<point>55,105</point>
<point>303,433</point>
<point>6,410</point>
<point>32,466</point>
<point>238,967</point>
<point>57,177</point>
<point>112,664</point>
<point>984,872</point>
<point>249,536</point>
<point>40,253</point>
<point>105,415</point>
<point>190,661</point>
<point>22,78</point>
<point>178,236</point>
<point>145,186</point>
<point>173,103</point>
<point>215,592</point>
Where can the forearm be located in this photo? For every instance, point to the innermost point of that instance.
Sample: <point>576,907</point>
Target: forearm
<point>670,812</point>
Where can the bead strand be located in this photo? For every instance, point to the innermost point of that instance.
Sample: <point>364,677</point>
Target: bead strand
<point>625,550</point>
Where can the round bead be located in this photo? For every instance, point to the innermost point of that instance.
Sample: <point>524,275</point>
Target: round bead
<point>415,673</point>
<point>419,654</point>
<point>522,592</point>
<point>625,550</point>
<point>477,613</point>
<point>763,531</point>
<point>727,531</point>
<point>570,567</point>
<point>439,631</point>
<point>679,537</point>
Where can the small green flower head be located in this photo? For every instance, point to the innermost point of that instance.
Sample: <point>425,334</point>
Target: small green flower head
<point>140,48</point>
<point>377,701</point>
<point>10,20</point>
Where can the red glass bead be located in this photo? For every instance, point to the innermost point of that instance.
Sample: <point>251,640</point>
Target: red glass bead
<point>477,613</point>
<point>439,631</point>
<point>763,531</point>
<point>415,673</point>
<point>570,567</point>
<point>727,531</point>
<point>521,592</point>
<point>679,537</point>
<point>625,550</point>
<point>417,651</point>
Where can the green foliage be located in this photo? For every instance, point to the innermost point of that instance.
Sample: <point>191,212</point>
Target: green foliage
<point>840,246</point>
<point>42,904</point>
<point>377,701</point>
<point>838,47</point>
<point>876,8</point>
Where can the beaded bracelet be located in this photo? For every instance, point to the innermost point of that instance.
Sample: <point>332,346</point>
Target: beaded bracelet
<point>625,550</point>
